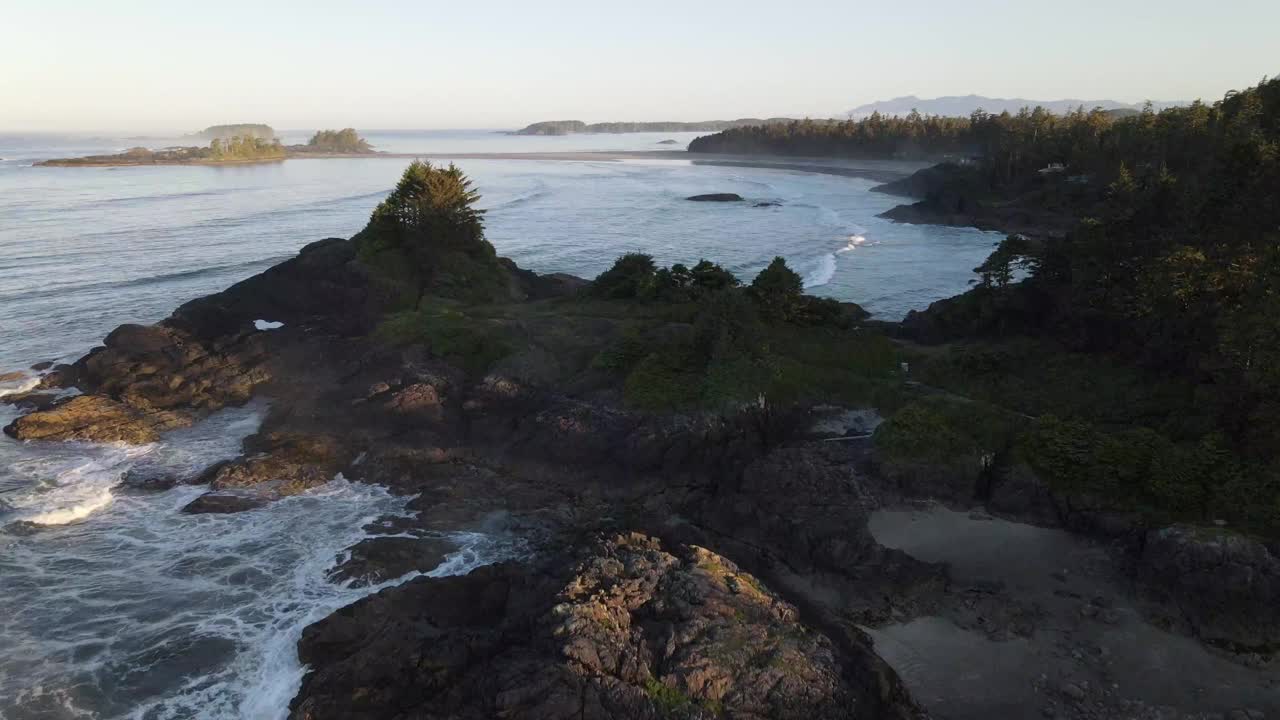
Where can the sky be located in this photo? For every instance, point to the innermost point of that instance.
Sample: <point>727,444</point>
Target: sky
<point>176,65</point>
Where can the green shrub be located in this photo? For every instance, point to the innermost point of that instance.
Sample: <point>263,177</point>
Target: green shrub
<point>631,276</point>
<point>662,382</point>
<point>474,345</point>
<point>669,702</point>
<point>939,429</point>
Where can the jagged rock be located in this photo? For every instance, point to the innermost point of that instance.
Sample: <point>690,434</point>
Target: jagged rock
<point>95,418</point>
<point>62,376</point>
<point>212,502</point>
<point>631,630</point>
<point>284,464</point>
<point>1224,585</point>
<point>14,376</point>
<point>376,560</point>
<point>418,400</point>
<point>31,401</point>
<point>1020,494</point>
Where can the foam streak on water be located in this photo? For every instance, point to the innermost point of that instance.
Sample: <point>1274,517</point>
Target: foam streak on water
<point>140,611</point>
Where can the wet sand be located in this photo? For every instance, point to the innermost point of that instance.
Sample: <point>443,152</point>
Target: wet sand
<point>1041,623</point>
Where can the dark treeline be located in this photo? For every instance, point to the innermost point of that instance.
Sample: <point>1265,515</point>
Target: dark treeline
<point>1177,271</point>
<point>1006,145</point>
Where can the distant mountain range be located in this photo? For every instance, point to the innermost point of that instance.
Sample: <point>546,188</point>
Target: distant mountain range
<point>573,127</point>
<point>963,105</point>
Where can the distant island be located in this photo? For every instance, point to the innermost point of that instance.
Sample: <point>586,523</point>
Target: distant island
<point>965,105</point>
<point>257,131</point>
<point>234,149</point>
<point>574,127</point>
<point>237,149</point>
<point>336,141</point>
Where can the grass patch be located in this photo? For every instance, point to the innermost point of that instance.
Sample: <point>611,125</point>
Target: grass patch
<point>472,343</point>
<point>669,701</point>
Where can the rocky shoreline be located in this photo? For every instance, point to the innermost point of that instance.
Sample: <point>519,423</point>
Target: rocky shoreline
<point>945,195</point>
<point>686,564</point>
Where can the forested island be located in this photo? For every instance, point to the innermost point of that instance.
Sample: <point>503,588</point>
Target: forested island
<point>256,131</point>
<point>573,127</point>
<point>346,140</point>
<point>235,149</point>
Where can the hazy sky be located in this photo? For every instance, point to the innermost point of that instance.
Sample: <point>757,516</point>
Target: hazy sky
<point>177,65</point>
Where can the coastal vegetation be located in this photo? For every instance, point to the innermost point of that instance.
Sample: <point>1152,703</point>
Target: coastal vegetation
<point>428,235</point>
<point>338,141</point>
<point>1143,343</point>
<point>254,146</point>
<point>235,149</point>
<point>245,147</point>
<point>679,338</point>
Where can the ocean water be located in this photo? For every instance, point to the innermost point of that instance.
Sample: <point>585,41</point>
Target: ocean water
<point>119,606</point>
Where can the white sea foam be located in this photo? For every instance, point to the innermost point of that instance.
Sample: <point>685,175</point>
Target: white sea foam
<point>60,483</point>
<point>143,611</point>
<point>854,242</point>
<point>822,274</point>
<point>24,385</point>
<point>70,482</point>
<point>267,324</point>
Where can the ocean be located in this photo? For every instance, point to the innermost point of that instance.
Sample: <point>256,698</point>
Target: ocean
<point>119,606</point>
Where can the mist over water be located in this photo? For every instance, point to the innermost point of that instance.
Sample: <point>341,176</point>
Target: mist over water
<point>117,605</point>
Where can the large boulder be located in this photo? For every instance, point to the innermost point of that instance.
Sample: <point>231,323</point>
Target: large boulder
<point>1223,585</point>
<point>631,629</point>
<point>286,464</point>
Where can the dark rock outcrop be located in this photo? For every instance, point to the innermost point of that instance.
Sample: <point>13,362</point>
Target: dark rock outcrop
<point>375,560</point>
<point>284,464</point>
<point>631,629</point>
<point>96,418</point>
<point>950,194</point>
<point>1224,586</point>
<point>147,379</point>
<point>211,503</point>
<point>716,197</point>
<point>31,400</point>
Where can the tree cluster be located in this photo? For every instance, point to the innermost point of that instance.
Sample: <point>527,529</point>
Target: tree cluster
<point>244,147</point>
<point>339,141</point>
<point>1179,272</point>
<point>428,234</point>
<point>777,291</point>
